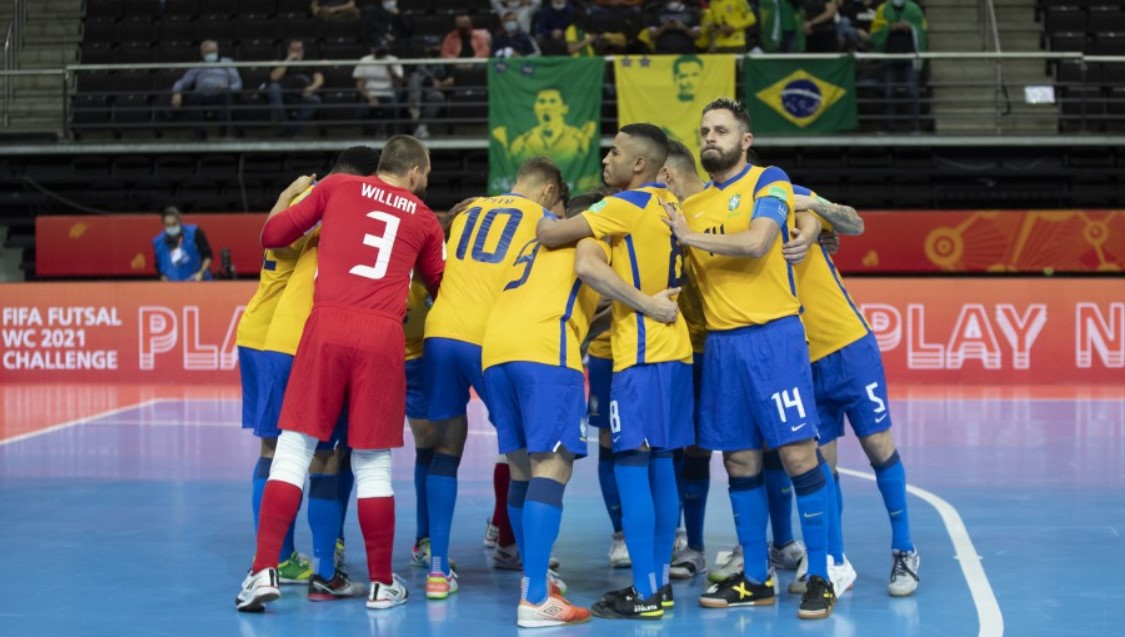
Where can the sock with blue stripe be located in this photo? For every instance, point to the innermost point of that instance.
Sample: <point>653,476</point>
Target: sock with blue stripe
<point>324,521</point>
<point>542,514</point>
<point>666,507</point>
<point>832,513</point>
<point>441,496</point>
<point>891,478</point>
<point>638,517</point>
<point>345,483</point>
<point>423,456</point>
<point>609,487</point>
<point>748,502</point>
<point>517,495</point>
<point>779,489</point>
<point>697,483</point>
<point>261,475</point>
<point>812,505</point>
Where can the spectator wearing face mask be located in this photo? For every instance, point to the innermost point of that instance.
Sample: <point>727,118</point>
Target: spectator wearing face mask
<point>854,27</point>
<point>466,42</point>
<point>181,250</point>
<point>523,9</point>
<point>207,88</point>
<point>294,89</point>
<point>379,85</point>
<point>383,21</point>
<point>674,28</point>
<point>511,41</point>
<point>426,90</point>
<point>554,19</point>
<point>900,27</point>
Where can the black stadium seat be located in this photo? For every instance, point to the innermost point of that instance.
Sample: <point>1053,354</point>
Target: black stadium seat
<point>1065,20</point>
<point>188,8</point>
<point>257,7</point>
<point>140,8</point>
<point>104,9</point>
<point>437,25</point>
<point>259,30</point>
<point>1107,19</point>
<point>1109,44</point>
<point>179,30</point>
<point>1068,42</point>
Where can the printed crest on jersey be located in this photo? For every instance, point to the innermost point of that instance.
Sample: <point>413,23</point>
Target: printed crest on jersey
<point>598,207</point>
<point>734,202</point>
<point>777,192</point>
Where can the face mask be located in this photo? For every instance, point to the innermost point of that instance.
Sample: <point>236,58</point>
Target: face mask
<point>210,57</point>
<point>174,231</point>
<point>390,6</point>
<point>898,3</point>
<point>559,4</point>
<point>511,27</point>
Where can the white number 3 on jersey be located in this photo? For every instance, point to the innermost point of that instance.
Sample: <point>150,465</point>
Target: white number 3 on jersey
<point>383,244</point>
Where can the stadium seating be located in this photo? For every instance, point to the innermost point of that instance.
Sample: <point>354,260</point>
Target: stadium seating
<point>1089,96</point>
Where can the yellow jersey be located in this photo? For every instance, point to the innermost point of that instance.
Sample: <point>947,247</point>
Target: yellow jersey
<point>543,313</point>
<point>601,346</point>
<point>640,247</point>
<point>691,308</point>
<point>417,307</point>
<point>735,14</point>
<point>277,266</point>
<point>740,291</point>
<point>832,320</point>
<point>480,251</point>
<point>296,301</point>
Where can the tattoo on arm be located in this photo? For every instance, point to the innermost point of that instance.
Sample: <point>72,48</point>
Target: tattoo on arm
<point>843,218</point>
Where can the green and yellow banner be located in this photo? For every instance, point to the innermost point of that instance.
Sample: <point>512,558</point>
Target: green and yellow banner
<point>796,97</point>
<point>670,91</point>
<point>548,106</point>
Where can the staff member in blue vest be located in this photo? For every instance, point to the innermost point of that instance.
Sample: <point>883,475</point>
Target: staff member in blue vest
<point>182,251</point>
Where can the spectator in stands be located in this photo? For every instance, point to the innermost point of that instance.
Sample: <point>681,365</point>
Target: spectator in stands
<point>778,26</point>
<point>426,89</point>
<point>181,250</point>
<point>294,90</point>
<point>511,40</point>
<point>383,21</point>
<point>524,10</point>
<point>554,20</point>
<point>900,27</point>
<point>334,9</point>
<point>674,28</point>
<point>724,25</point>
<point>854,27</point>
<point>379,85</point>
<point>820,26</point>
<point>466,42</point>
<point>621,7</point>
<point>207,88</point>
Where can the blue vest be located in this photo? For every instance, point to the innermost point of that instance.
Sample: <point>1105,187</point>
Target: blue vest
<point>184,270</point>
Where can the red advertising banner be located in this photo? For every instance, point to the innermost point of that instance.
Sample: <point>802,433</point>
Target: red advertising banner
<point>949,331</point>
<point>121,245</point>
<point>1033,241</point>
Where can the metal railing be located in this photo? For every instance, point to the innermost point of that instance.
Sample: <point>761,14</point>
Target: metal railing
<point>130,100</point>
<point>990,37</point>
<point>13,44</point>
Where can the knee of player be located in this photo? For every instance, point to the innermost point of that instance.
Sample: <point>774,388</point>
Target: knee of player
<point>372,469</point>
<point>878,447</point>
<point>743,464</point>
<point>799,457</point>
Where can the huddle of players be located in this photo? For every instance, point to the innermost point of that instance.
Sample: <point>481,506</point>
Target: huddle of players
<point>517,297</point>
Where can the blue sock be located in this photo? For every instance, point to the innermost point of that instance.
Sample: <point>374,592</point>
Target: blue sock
<point>324,521</point>
<point>697,483</point>
<point>891,478</point>
<point>542,514</point>
<point>748,502</point>
<point>812,505</point>
<point>666,506</point>
<point>261,475</point>
<point>678,456</point>
<point>517,495</point>
<point>441,496</point>
<point>422,459</point>
<point>638,517</point>
<point>609,487</point>
<point>346,481</point>
<point>832,513</point>
<point>780,492</point>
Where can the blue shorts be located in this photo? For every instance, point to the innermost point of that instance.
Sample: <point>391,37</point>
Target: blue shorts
<point>652,404</point>
<point>757,387</point>
<point>450,368</point>
<point>274,368</point>
<point>851,381</point>
<point>415,385</point>
<point>601,377</point>
<point>697,386</point>
<point>250,366</point>
<point>537,407</point>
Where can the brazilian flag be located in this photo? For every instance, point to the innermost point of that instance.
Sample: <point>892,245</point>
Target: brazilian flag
<point>549,106</point>
<point>800,97</point>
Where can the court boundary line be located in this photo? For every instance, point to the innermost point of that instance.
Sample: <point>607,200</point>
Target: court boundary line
<point>79,421</point>
<point>989,617</point>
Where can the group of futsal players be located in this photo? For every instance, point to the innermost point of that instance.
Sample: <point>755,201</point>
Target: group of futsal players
<point>720,296</point>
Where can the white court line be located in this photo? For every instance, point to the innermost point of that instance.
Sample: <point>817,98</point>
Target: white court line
<point>988,609</point>
<point>79,421</point>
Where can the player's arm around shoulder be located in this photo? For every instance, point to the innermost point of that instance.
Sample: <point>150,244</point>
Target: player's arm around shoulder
<point>553,232</point>
<point>591,264</point>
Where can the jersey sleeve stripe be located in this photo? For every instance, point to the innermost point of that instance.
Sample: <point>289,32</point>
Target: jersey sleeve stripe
<point>570,301</point>
<point>641,337</point>
<point>638,198</point>
<point>843,290</point>
<point>788,266</point>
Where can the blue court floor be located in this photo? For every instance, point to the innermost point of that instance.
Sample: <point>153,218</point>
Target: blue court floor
<point>137,522</point>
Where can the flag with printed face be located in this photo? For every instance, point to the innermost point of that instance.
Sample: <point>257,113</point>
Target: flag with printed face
<point>549,106</point>
<point>670,91</point>
<point>795,97</point>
